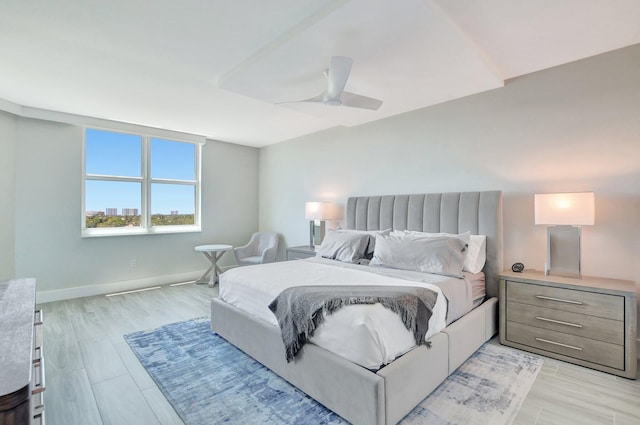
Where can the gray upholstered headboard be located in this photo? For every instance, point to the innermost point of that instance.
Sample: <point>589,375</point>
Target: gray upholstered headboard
<point>477,212</point>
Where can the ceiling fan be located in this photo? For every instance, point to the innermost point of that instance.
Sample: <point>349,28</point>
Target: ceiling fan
<point>334,95</point>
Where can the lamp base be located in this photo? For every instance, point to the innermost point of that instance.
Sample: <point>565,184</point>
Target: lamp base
<point>563,251</point>
<point>316,233</point>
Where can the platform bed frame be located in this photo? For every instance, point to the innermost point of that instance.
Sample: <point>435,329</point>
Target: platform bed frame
<point>384,397</point>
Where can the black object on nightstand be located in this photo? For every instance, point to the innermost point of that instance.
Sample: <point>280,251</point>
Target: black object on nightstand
<point>517,267</point>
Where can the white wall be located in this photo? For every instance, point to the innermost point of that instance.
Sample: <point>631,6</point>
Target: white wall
<point>7,153</point>
<point>48,246</point>
<point>571,128</point>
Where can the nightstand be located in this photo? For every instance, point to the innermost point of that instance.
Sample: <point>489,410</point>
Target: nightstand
<point>300,252</point>
<point>590,321</point>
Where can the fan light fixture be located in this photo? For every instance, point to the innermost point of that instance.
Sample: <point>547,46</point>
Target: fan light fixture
<point>334,95</point>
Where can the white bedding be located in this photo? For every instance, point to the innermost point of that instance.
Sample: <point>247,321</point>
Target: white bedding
<point>368,335</point>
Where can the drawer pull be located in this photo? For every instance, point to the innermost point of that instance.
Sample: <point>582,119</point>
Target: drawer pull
<point>38,414</point>
<point>559,343</point>
<point>37,355</point>
<point>40,385</point>
<point>38,317</point>
<point>542,297</point>
<point>560,322</point>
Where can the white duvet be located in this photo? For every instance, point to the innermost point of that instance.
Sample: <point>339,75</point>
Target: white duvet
<point>368,335</point>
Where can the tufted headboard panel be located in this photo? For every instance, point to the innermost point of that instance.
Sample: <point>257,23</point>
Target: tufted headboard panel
<point>456,212</point>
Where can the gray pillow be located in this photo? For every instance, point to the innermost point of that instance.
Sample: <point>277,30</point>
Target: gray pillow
<point>440,255</point>
<point>348,247</point>
<point>371,241</point>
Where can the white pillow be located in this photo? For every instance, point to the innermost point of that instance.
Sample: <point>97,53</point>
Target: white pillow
<point>343,246</point>
<point>440,255</point>
<point>475,255</point>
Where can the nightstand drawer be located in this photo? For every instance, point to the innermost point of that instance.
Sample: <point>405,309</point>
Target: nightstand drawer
<point>583,302</point>
<point>300,252</point>
<point>583,325</point>
<point>298,255</point>
<point>590,350</point>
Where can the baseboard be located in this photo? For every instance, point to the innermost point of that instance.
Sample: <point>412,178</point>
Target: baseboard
<point>107,288</point>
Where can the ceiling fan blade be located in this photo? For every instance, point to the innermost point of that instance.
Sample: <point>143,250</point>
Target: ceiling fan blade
<point>338,74</point>
<point>358,101</point>
<point>316,99</point>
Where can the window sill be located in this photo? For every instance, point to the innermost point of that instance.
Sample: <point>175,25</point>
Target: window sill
<point>156,230</point>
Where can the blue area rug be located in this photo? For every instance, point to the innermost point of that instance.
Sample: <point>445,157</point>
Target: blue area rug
<point>209,381</point>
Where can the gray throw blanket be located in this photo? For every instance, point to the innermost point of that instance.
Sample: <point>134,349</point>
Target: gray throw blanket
<point>301,309</point>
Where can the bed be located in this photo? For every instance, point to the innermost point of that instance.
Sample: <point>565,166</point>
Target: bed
<point>385,396</point>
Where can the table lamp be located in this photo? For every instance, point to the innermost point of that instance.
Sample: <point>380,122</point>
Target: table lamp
<point>564,213</point>
<point>317,213</point>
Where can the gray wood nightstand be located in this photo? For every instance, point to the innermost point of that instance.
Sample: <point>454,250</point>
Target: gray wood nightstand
<point>589,321</point>
<point>300,252</point>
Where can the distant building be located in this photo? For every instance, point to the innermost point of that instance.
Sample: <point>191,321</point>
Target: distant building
<point>112,211</point>
<point>174,212</point>
<point>95,213</point>
<point>129,211</point>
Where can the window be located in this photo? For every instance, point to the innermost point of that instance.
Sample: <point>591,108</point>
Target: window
<point>137,184</point>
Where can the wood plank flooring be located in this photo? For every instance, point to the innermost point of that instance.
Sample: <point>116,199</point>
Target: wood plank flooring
<point>93,377</point>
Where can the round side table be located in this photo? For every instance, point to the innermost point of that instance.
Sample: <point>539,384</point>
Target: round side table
<point>213,254</point>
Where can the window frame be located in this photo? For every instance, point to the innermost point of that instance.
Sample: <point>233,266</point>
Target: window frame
<point>145,180</point>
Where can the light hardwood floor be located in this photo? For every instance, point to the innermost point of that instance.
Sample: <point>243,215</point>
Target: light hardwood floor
<point>93,377</point>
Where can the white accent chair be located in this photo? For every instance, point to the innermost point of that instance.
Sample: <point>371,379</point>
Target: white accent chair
<point>262,248</point>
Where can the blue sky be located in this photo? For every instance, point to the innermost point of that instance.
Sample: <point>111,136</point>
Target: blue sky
<point>120,154</point>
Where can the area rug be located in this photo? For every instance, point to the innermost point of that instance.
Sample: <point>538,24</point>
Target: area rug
<point>209,381</point>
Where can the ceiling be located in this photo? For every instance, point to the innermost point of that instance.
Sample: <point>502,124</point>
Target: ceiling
<point>219,68</point>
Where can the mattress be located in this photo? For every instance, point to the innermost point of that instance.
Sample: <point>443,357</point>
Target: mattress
<point>368,335</point>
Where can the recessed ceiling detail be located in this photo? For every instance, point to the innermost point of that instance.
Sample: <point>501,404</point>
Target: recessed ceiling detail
<point>222,69</point>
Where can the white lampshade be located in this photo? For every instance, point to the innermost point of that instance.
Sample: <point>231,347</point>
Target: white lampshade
<point>565,209</point>
<point>321,211</point>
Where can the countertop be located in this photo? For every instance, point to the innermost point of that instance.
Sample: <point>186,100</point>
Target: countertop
<point>17,301</point>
